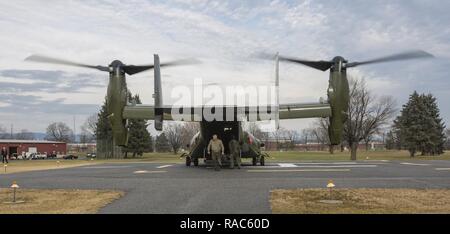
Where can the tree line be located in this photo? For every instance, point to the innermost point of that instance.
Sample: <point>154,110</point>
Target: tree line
<point>175,136</point>
<point>418,127</point>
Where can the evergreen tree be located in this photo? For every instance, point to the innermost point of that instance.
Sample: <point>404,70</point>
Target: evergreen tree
<point>420,127</point>
<point>436,136</point>
<point>162,143</point>
<point>393,139</point>
<point>390,140</point>
<point>139,138</point>
<point>103,130</point>
<point>103,134</point>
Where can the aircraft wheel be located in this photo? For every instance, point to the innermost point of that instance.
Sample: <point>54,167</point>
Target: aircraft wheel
<point>254,161</point>
<point>262,161</point>
<point>188,161</point>
<point>196,162</point>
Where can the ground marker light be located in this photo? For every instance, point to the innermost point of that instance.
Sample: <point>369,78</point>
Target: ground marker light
<point>330,186</point>
<point>14,186</point>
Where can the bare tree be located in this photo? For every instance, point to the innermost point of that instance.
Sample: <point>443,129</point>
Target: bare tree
<point>59,131</point>
<point>24,135</point>
<point>306,137</point>
<point>380,112</point>
<point>86,136</point>
<point>366,114</point>
<point>320,132</point>
<point>88,129</point>
<point>90,124</point>
<point>173,132</point>
<point>292,136</point>
<point>189,130</point>
<point>279,136</point>
<point>256,131</point>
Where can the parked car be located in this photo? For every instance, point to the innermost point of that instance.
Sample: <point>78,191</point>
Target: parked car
<point>36,156</point>
<point>14,156</point>
<point>70,156</point>
<point>52,155</point>
<point>91,155</point>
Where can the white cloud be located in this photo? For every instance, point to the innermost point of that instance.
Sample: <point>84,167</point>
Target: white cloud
<point>223,34</point>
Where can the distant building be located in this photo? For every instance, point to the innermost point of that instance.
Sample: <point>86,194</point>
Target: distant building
<point>82,147</point>
<point>33,146</point>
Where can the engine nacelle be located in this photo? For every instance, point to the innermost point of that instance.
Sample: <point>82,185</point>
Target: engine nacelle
<point>338,97</point>
<point>159,111</point>
<point>116,101</point>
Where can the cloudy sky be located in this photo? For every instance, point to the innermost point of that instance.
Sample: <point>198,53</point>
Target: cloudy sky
<point>222,34</point>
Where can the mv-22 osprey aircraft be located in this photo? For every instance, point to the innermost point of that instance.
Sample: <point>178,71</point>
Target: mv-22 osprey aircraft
<point>334,108</point>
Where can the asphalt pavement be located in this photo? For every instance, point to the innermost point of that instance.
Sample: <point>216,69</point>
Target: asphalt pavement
<point>175,188</point>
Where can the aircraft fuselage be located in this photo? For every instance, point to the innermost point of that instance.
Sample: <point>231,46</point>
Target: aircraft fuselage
<point>225,130</point>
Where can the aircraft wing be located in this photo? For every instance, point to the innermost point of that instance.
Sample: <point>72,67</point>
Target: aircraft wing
<point>304,110</point>
<point>229,113</point>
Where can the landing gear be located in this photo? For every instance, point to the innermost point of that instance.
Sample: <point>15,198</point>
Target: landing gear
<point>188,161</point>
<point>261,160</point>
<point>196,162</point>
<point>254,161</point>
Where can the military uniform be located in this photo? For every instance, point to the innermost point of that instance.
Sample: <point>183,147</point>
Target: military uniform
<point>235,155</point>
<point>216,148</point>
<point>4,155</point>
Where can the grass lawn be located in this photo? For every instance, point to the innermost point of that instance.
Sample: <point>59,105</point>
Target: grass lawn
<point>15,166</point>
<point>275,156</point>
<point>293,156</point>
<point>360,201</point>
<point>149,157</point>
<point>56,201</point>
<point>34,165</point>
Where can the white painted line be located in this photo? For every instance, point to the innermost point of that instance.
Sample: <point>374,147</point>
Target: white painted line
<point>332,163</point>
<point>147,172</point>
<point>287,165</point>
<point>339,166</point>
<point>415,164</point>
<point>104,167</point>
<point>299,165</point>
<point>164,166</point>
<point>381,160</point>
<point>300,170</point>
<point>442,169</point>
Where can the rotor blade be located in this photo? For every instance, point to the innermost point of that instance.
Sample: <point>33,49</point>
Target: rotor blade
<point>402,56</point>
<point>131,69</point>
<point>320,65</point>
<point>134,69</point>
<point>45,59</point>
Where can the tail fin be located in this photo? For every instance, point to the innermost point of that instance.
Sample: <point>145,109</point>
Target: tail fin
<point>277,92</point>
<point>159,111</point>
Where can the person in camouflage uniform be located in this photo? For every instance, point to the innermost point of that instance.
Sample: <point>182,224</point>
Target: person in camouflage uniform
<point>235,155</point>
<point>216,148</point>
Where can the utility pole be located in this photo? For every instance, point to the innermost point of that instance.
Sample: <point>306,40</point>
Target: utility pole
<point>74,131</point>
<point>11,131</point>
